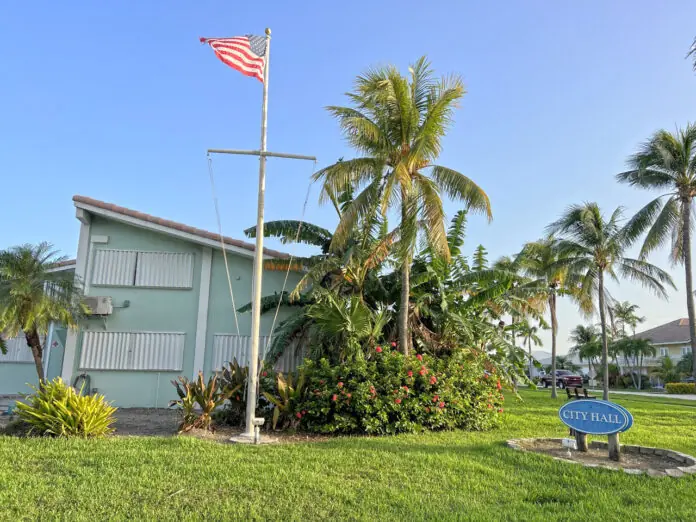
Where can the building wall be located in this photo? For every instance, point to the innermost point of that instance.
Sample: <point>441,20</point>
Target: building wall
<point>167,310</point>
<point>15,377</point>
<point>150,310</point>
<point>220,315</point>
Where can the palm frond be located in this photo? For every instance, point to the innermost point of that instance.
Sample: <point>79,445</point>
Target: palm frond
<point>458,186</point>
<point>291,231</point>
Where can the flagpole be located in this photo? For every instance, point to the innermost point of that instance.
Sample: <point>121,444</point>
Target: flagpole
<point>252,379</point>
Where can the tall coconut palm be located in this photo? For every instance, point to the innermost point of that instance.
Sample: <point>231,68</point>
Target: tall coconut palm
<point>625,315</point>
<point>586,345</point>
<point>31,297</point>
<point>540,261</point>
<point>397,124</point>
<point>529,334</point>
<point>593,247</point>
<point>667,162</point>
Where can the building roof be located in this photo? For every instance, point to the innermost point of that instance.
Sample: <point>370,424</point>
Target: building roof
<point>674,332</point>
<point>82,201</point>
<point>63,266</point>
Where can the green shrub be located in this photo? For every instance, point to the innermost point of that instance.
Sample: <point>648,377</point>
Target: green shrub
<point>680,387</point>
<point>391,393</point>
<point>56,409</point>
<point>207,396</point>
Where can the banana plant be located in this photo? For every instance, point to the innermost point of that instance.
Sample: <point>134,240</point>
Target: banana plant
<point>289,394</point>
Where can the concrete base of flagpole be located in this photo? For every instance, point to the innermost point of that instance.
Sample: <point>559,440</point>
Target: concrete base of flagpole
<point>255,436</point>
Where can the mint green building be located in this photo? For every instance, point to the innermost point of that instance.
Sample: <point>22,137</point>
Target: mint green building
<point>162,308</point>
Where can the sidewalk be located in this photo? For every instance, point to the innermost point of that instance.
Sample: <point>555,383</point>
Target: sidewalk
<point>685,397</point>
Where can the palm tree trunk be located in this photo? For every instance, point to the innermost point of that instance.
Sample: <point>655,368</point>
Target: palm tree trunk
<point>34,342</point>
<point>552,308</point>
<point>686,252</point>
<point>403,308</point>
<point>605,344</point>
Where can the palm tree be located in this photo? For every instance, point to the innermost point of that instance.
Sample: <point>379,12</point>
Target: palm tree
<point>529,335</point>
<point>667,162</point>
<point>397,124</point>
<point>566,363</point>
<point>540,261</point>
<point>31,297</point>
<point>586,345</point>
<point>625,315</point>
<point>667,371</point>
<point>594,247</point>
<point>692,53</point>
<point>633,351</point>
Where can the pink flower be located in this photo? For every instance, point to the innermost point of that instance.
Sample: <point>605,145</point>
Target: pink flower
<point>485,376</point>
<point>378,349</point>
<point>397,401</point>
<point>419,357</point>
<point>348,395</point>
<point>334,397</point>
<point>436,398</point>
<point>340,385</point>
<point>405,388</point>
<point>441,405</point>
<point>298,415</point>
<point>498,385</point>
<point>500,410</point>
<point>393,344</point>
<point>304,412</point>
<point>433,379</point>
<point>422,371</point>
<point>264,374</point>
<point>410,373</point>
<point>490,406</point>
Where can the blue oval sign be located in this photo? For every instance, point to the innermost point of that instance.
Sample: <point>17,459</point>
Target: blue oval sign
<point>595,417</point>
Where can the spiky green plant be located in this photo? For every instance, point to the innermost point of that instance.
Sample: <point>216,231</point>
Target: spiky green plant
<point>206,395</point>
<point>398,123</point>
<point>290,392</point>
<point>56,409</point>
<point>593,247</point>
<point>667,163</point>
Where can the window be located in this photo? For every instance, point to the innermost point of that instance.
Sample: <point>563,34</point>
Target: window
<point>154,351</point>
<point>685,350</point>
<point>17,351</point>
<point>664,352</point>
<point>144,269</point>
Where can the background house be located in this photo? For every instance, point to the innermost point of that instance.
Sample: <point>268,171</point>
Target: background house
<point>161,292</point>
<point>670,339</point>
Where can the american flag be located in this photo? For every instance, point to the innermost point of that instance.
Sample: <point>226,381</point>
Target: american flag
<point>247,53</point>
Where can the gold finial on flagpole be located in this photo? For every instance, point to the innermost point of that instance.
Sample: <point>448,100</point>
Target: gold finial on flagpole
<point>268,31</point>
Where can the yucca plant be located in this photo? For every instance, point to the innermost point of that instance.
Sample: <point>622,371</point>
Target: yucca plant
<point>56,409</point>
<point>290,393</point>
<point>207,396</point>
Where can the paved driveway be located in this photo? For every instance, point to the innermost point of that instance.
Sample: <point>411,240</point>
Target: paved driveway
<point>685,397</point>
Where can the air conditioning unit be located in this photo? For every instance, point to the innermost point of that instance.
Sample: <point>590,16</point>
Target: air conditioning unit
<point>100,305</point>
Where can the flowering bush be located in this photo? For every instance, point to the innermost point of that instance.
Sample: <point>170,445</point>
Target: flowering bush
<point>391,393</point>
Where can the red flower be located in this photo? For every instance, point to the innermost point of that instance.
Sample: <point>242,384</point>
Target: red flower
<point>427,409</point>
<point>500,410</point>
<point>441,405</point>
<point>433,379</point>
<point>340,385</point>
<point>378,349</point>
<point>419,357</point>
<point>490,406</point>
<point>348,395</point>
<point>264,374</point>
<point>393,344</point>
<point>372,390</point>
<point>410,373</point>
<point>334,397</point>
<point>436,398</point>
<point>485,376</point>
<point>498,385</point>
<point>397,401</point>
<point>422,371</point>
<point>502,398</point>
<point>298,415</point>
<point>405,388</point>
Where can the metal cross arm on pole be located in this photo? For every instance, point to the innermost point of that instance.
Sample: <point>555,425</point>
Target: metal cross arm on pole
<point>262,153</point>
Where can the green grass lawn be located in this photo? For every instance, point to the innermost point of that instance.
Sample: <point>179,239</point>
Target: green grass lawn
<point>437,476</point>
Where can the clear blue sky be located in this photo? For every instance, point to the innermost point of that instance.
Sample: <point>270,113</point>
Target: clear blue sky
<point>119,101</point>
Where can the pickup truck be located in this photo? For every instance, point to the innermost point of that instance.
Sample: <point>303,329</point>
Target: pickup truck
<point>564,379</point>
